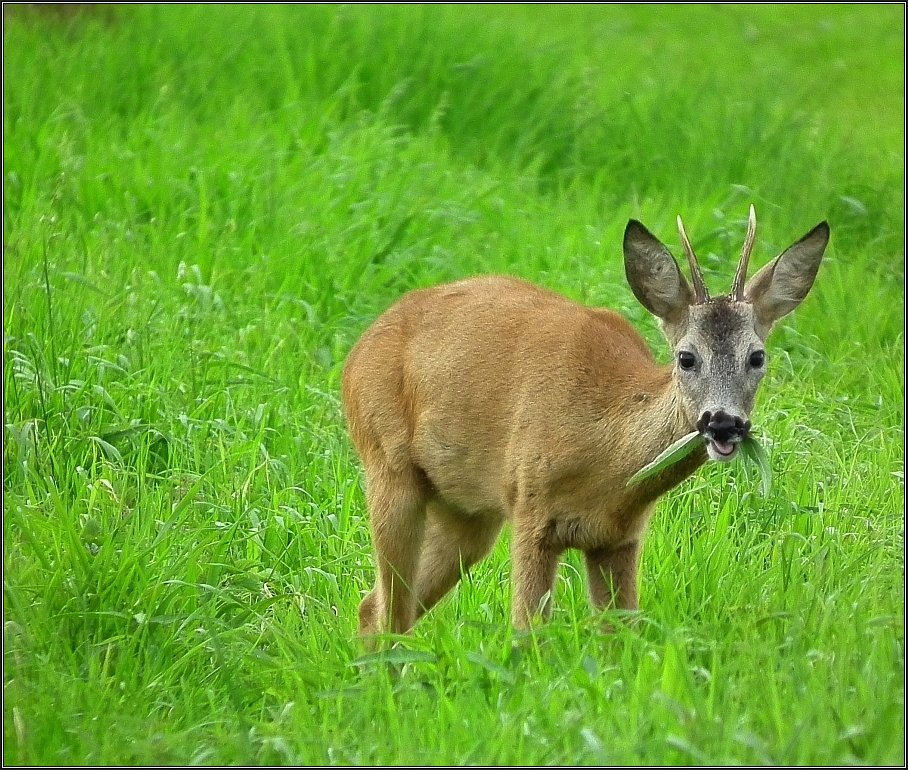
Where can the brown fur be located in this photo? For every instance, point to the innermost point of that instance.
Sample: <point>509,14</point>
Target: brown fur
<point>492,400</point>
<point>459,433</point>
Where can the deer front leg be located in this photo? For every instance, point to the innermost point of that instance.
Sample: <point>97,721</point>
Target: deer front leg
<point>612,576</point>
<point>534,565</point>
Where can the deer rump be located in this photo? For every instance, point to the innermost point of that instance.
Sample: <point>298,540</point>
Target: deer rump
<point>491,399</point>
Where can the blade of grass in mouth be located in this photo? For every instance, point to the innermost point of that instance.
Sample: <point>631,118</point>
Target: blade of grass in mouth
<point>751,449</point>
<point>675,453</point>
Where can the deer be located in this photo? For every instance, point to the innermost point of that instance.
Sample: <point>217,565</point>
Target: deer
<point>491,400</point>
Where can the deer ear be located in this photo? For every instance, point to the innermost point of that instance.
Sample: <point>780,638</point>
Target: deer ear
<point>780,286</point>
<point>653,274</point>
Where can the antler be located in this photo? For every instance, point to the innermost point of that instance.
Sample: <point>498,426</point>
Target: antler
<point>737,288</point>
<point>700,292</point>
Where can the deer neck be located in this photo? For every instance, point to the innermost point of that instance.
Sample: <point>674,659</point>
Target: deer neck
<point>653,407</point>
<point>656,420</point>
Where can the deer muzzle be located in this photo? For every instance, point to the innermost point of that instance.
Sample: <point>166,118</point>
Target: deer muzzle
<point>723,433</point>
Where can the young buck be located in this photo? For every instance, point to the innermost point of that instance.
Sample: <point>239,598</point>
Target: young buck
<point>491,400</point>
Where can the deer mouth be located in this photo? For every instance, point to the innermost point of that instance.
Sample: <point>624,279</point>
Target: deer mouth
<point>723,433</point>
<point>723,451</point>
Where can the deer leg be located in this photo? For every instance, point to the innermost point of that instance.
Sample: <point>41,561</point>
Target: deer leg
<point>397,503</point>
<point>454,542</point>
<point>612,576</point>
<point>534,565</point>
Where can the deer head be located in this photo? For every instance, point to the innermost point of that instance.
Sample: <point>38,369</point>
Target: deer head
<point>718,344</point>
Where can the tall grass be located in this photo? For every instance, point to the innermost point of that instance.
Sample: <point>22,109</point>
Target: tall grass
<point>204,206</point>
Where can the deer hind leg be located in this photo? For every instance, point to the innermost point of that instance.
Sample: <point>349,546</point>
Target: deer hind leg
<point>454,542</point>
<point>612,576</point>
<point>397,503</point>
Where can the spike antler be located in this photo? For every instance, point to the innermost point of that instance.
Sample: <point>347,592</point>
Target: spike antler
<point>700,292</point>
<point>737,288</point>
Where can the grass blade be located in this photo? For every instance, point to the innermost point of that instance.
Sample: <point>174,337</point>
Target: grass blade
<point>677,451</point>
<point>396,655</point>
<point>755,453</point>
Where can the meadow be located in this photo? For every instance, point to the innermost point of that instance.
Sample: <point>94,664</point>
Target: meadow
<point>204,206</point>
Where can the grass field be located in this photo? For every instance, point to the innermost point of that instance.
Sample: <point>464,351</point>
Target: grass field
<point>204,206</point>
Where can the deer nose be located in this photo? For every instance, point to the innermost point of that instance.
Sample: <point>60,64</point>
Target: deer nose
<point>722,426</point>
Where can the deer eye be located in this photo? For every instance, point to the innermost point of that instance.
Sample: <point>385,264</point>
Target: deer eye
<point>757,359</point>
<point>686,360</point>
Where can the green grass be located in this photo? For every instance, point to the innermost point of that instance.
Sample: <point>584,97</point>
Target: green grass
<point>205,206</point>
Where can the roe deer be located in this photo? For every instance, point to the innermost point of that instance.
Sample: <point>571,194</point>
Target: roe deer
<point>490,400</point>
